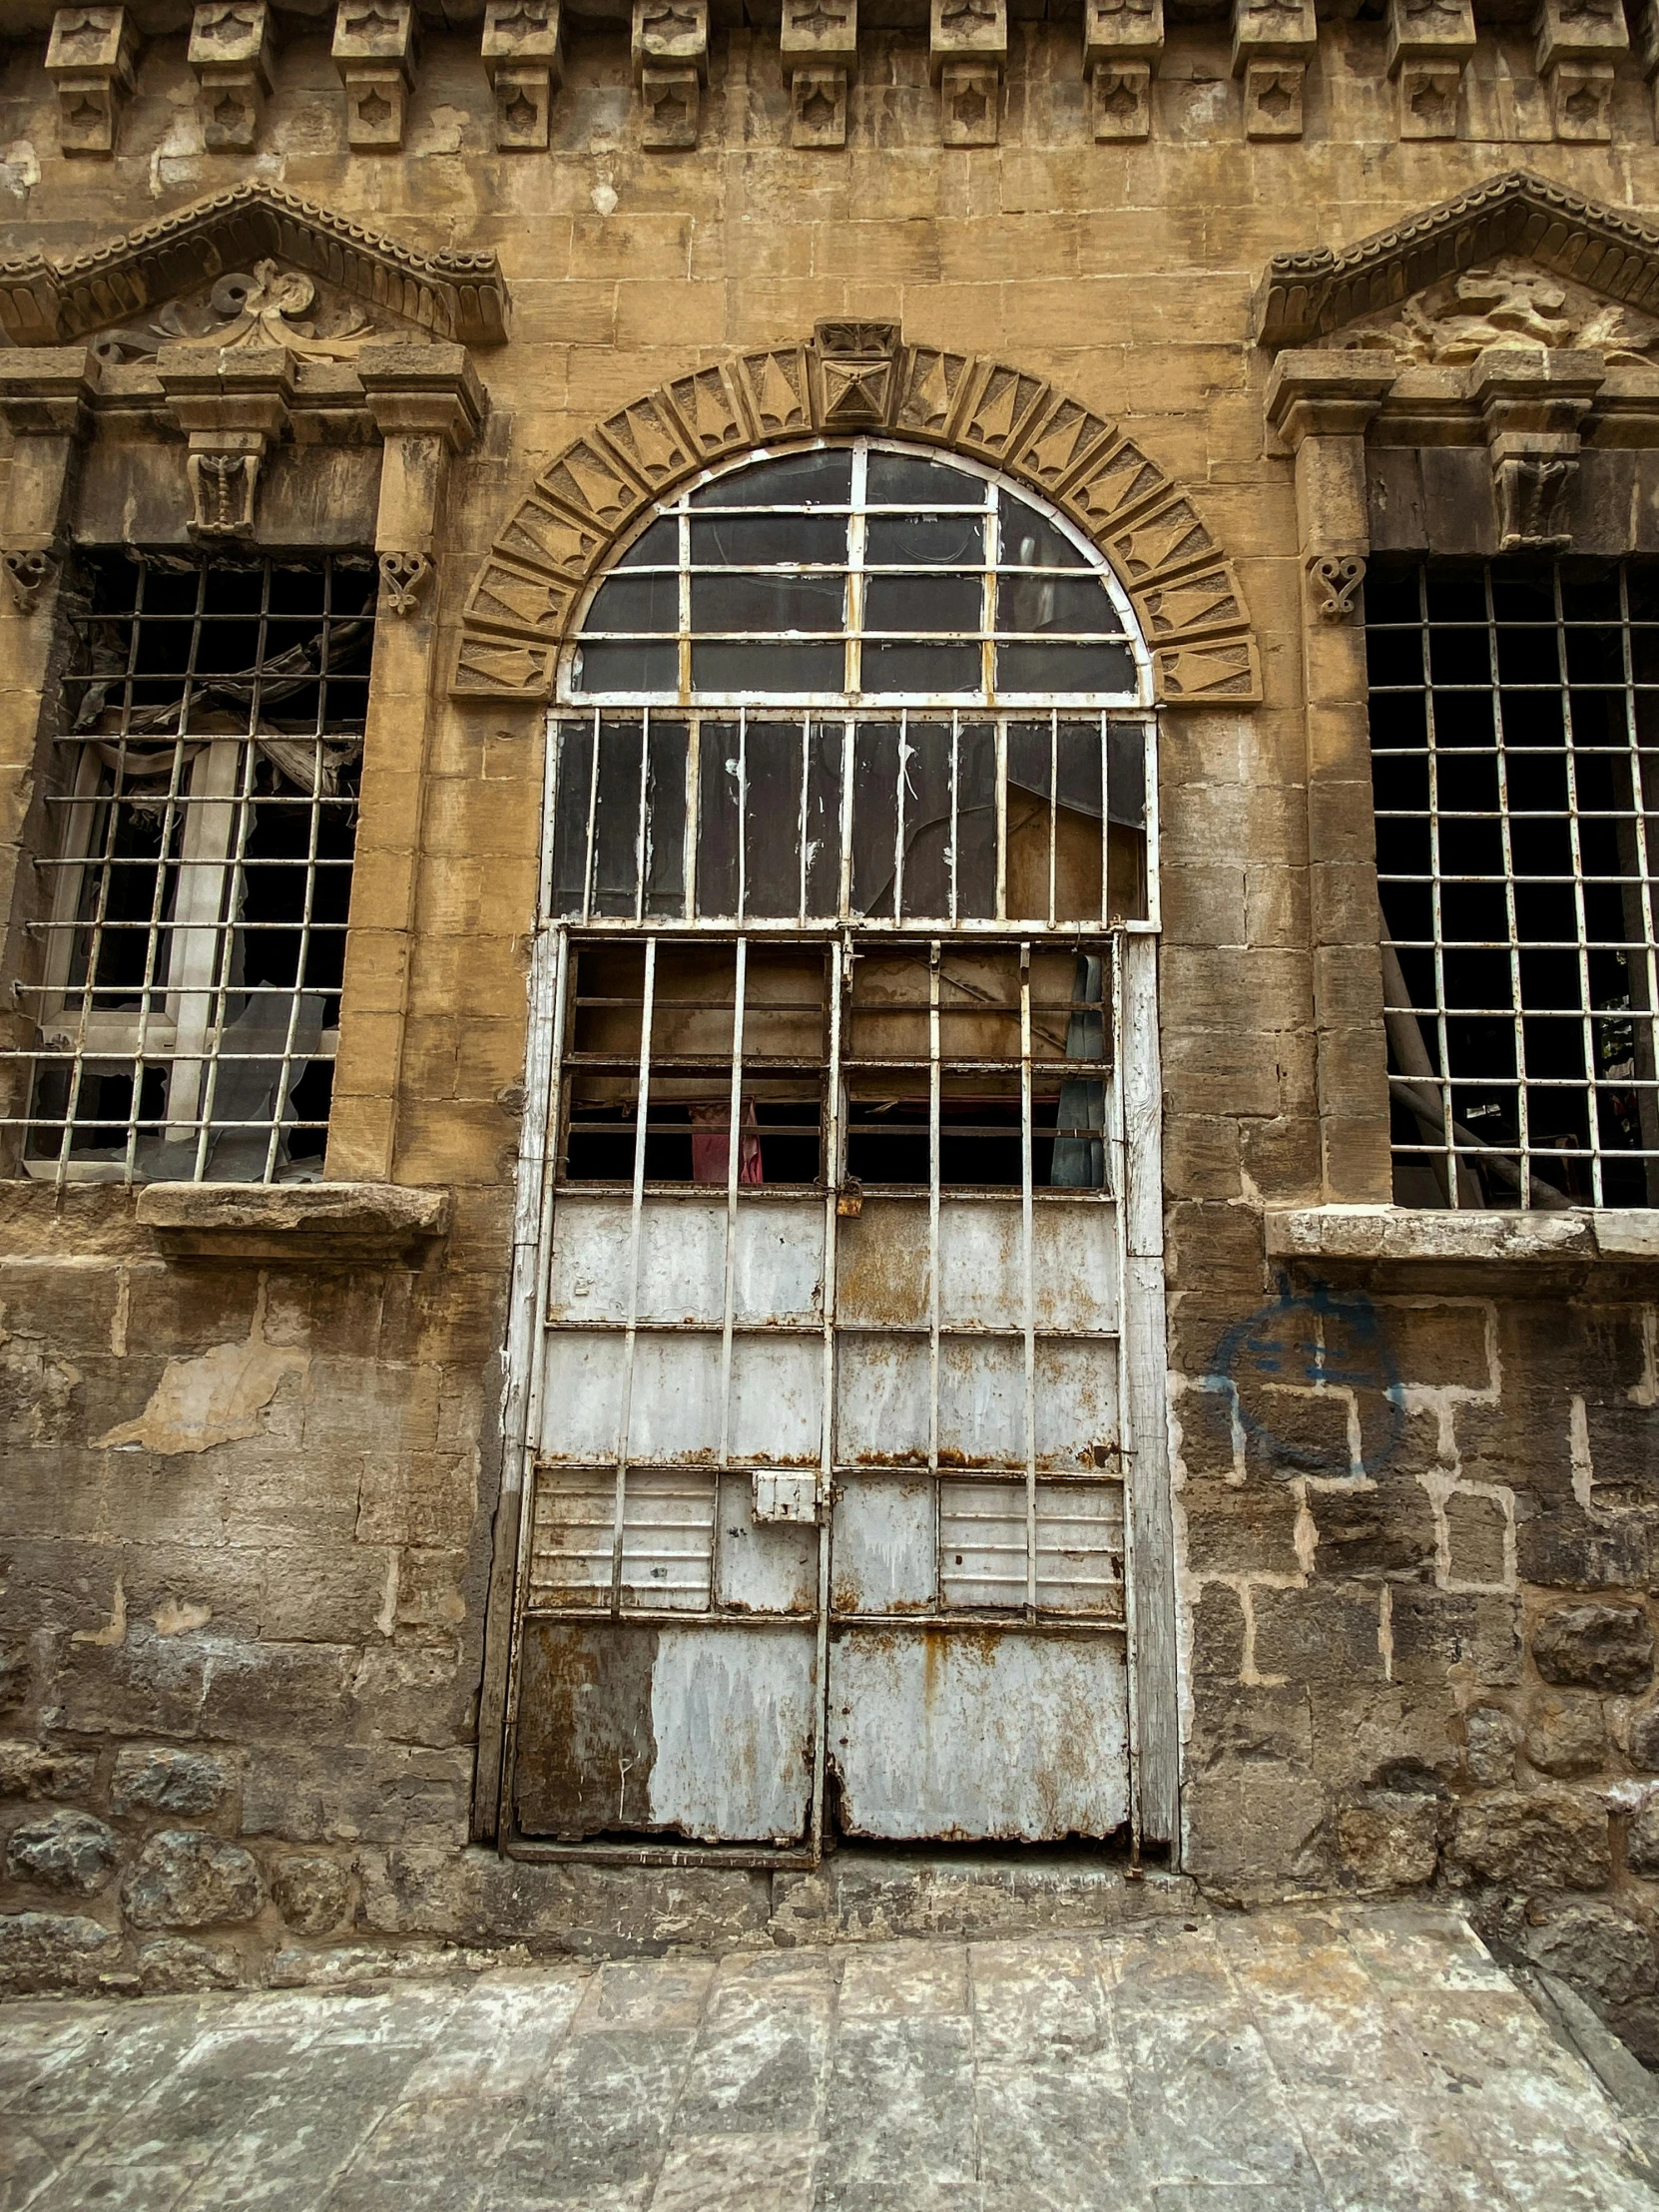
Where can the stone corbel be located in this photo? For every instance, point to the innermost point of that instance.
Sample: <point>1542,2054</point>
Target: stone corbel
<point>1532,405</point>
<point>818,41</point>
<point>1273,42</point>
<point>1123,43</point>
<point>671,66</point>
<point>1429,44</point>
<point>45,403</point>
<point>967,50</point>
<point>374,52</point>
<point>427,403</point>
<point>90,57</point>
<point>229,50</point>
<point>231,407</point>
<point>524,58</point>
<point>1579,43</point>
<point>29,569</point>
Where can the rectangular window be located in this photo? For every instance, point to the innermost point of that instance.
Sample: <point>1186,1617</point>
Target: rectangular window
<point>1514,722</point>
<point>184,958</point>
<point>968,1065</point>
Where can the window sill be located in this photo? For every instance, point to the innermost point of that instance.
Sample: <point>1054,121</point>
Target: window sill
<point>1421,1243</point>
<point>293,1222</point>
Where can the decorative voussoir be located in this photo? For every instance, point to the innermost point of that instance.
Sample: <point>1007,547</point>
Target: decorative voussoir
<point>29,569</point>
<point>403,578</point>
<point>1336,579</point>
<point>856,375</point>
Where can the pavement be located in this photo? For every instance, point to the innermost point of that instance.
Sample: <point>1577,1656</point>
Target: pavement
<point>1270,2063</point>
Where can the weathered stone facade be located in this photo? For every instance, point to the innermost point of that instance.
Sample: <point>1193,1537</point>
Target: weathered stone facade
<point>253,1456</point>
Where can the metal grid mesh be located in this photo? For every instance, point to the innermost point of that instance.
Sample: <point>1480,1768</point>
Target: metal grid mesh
<point>1514,715</point>
<point>179,1000</point>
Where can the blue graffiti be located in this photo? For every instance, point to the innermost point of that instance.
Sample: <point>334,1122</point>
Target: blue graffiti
<point>1312,1341</point>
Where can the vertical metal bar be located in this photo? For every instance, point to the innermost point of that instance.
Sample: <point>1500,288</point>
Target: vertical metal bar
<point>681,545</point>
<point>733,1156</point>
<point>899,814</point>
<point>634,1236</point>
<point>933,1215</point>
<point>643,826</point>
<point>1646,1108</point>
<point>743,812</point>
<point>852,648</point>
<point>1105,821</point>
<point>800,827</point>
<point>1029,1282</point>
<point>838,964</point>
<point>1053,807</point>
<point>956,832</point>
<point>1443,1039</point>
<point>844,908</point>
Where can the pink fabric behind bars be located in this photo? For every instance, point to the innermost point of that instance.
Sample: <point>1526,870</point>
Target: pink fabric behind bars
<point>712,1148</point>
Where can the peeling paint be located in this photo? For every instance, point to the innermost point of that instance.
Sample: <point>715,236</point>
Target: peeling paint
<point>216,1398</point>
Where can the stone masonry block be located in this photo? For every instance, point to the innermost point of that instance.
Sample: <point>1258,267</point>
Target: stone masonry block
<point>66,1851</point>
<point>669,100</point>
<point>1602,1647</point>
<point>1582,101</point>
<point>186,1879</point>
<point>1543,1840</point>
<point>1430,93</point>
<point>160,1779</point>
<point>1431,1633</point>
<point>970,100</point>
<point>90,57</point>
<point>1120,101</point>
<point>817,101</point>
<point>1323,1637</point>
<point>671,35</point>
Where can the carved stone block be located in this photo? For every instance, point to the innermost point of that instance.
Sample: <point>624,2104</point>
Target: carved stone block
<point>1273,99</point>
<point>854,368</point>
<point>1428,98</point>
<point>523,106</point>
<point>669,100</point>
<point>671,35</point>
<point>374,52</point>
<point>229,50</point>
<point>1272,30</point>
<point>1120,99</point>
<point>518,31</point>
<point>1582,101</point>
<point>232,408</point>
<point>818,100</point>
<point>966,30</point>
<point>1579,31</point>
<point>1429,31</point>
<point>90,57</point>
<point>971,96</point>
<point>822,31</point>
<point>1117,31</point>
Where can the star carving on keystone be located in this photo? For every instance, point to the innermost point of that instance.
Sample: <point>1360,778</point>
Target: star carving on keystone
<point>84,115</point>
<point>87,33</point>
<point>228,112</point>
<point>1585,105</point>
<point>669,108</point>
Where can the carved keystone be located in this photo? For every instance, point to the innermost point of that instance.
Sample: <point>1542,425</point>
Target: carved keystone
<point>90,57</point>
<point>855,372</point>
<point>374,52</point>
<point>229,50</point>
<point>1532,404</point>
<point>524,58</point>
<point>233,407</point>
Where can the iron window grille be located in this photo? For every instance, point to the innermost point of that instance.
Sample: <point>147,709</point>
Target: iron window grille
<point>179,1003</point>
<point>1514,717</point>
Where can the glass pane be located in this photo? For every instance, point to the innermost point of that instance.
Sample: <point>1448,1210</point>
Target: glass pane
<point>748,603</point>
<point>975,823</point>
<point>897,541</point>
<point>918,670</point>
<point>824,819</point>
<point>772,823</point>
<point>1063,668</point>
<point>717,818</point>
<point>821,479</point>
<point>665,890</point>
<point>874,818</point>
<point>1126,773</point>
<point>1031,540</point>
<point>617,819</point>
<point>658,547</point>
<point>570,828</point>
<point>627,667</point>
<point>763,541</point>
<point>1077,605</point>
<point>904,480</point>
<point>907,603</point>
<point>926,887</point>
<point>768,668</point>
<point>633,603</point>
<point>1079,766</point>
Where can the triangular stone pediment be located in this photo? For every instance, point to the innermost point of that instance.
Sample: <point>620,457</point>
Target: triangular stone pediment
<point>252,265</point>
<point>1518,260</point>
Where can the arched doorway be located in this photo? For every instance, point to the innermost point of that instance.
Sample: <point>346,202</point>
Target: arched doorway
<point>844,1028</point>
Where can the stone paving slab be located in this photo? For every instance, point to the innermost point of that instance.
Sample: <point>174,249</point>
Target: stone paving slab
<point>1300,2061</point>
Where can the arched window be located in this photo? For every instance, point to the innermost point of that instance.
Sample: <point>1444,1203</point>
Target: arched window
<point>854,683</point>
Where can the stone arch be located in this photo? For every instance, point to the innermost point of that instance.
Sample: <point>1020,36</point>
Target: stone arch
<point>859,376</point>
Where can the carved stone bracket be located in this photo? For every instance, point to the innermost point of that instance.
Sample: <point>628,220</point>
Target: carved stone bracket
<point>233,408</point>
<point>404,576</point>
<point>860,374</point>
<point>524,57</point>
<point>818,42</point>
<point>90,57</point>
<point>374,52</point>
<point>50,303</point>
<point>968,46</point>
<point>1335,578</point>
<point>1123,42</point>
<point>229,50</point>
<point>1531,405</point>
<point>670,49</point>
<point>29,569</point>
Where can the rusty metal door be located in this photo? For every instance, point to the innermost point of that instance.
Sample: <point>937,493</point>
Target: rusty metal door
<point>825,1530</point>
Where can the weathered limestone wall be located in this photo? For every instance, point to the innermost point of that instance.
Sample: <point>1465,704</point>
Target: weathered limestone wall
<point>247,1505</point>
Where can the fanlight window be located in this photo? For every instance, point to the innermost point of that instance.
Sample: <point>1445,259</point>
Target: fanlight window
<point>856,572</point>
<point>853,683</point>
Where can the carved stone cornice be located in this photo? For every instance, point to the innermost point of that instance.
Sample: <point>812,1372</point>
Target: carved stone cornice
<point>48,301</point>
<point>48,393</point>
<point>423,391</point>
<point>1187,599</point>
<point>1312,394</point>
<point>1306,296</point>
